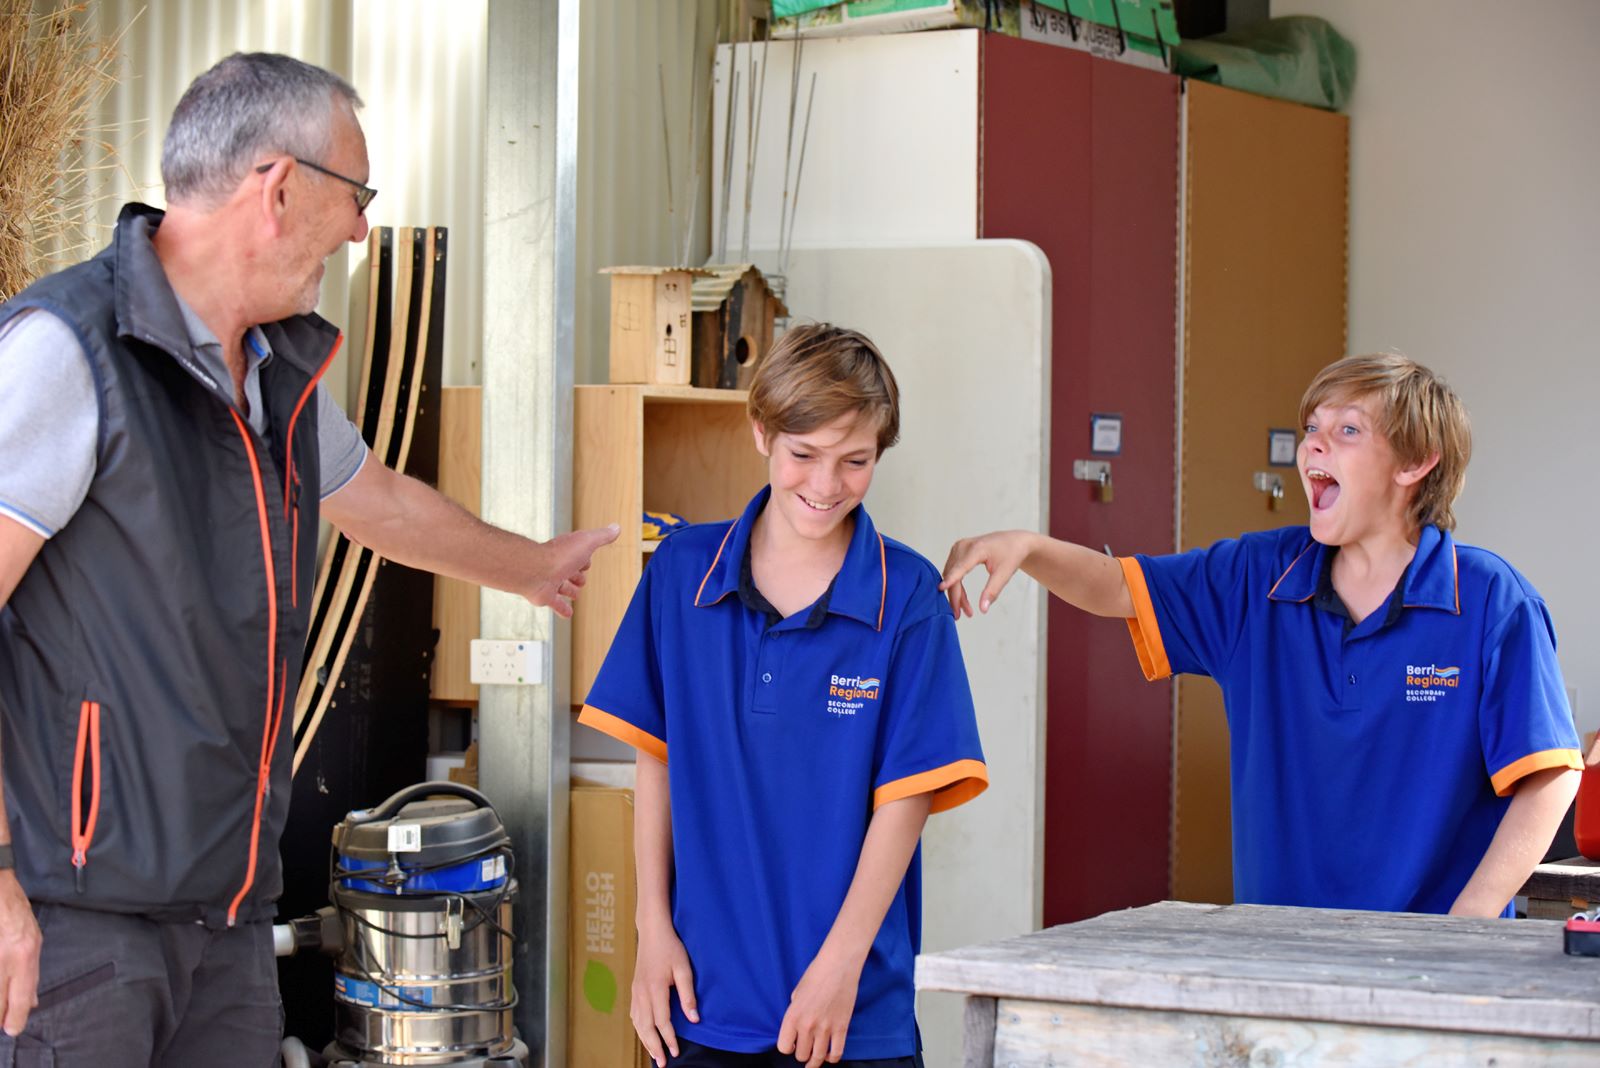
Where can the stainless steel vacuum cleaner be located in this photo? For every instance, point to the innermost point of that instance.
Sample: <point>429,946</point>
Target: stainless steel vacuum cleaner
<point>421,929</point>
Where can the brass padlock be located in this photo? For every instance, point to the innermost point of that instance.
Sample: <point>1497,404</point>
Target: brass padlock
<point>1275,498</point>
<point>1104,489</point>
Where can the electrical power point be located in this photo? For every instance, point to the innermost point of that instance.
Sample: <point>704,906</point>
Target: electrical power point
<point>517,662</point>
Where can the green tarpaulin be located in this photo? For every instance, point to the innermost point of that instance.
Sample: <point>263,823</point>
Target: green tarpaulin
<point>1293,58</point>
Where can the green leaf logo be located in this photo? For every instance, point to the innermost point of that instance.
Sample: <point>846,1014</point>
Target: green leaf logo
<point>599,987</point>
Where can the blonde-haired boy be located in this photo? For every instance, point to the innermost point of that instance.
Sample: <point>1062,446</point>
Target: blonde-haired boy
<point>1399,732</point>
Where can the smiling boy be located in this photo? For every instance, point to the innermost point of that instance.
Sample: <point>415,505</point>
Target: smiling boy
<point>1399,732</point>
<point>803,672</point>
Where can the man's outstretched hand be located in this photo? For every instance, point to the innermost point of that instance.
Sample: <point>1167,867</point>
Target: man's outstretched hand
<point>565,559</point>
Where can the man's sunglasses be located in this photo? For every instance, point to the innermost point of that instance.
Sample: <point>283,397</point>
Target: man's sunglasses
<point>363,193</point>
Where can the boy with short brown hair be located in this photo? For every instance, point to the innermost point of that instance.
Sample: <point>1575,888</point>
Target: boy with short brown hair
<point>1399,732</point>
<point>803,671</point>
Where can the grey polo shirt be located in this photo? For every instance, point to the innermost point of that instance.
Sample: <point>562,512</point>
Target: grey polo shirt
<point>49,421</point>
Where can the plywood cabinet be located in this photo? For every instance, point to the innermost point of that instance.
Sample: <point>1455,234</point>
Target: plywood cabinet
<point>649,448</point>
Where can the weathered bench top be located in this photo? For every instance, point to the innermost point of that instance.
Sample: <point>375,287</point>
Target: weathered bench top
<point>1565,879</point>
<point>1404,970</point>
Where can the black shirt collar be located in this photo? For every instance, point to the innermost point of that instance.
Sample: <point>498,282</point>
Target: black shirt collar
<point>755,601</point>
<point>1327,598</point>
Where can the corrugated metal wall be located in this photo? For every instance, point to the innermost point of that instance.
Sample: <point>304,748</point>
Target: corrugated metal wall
<point>419,66</point>
<point>628,48</point>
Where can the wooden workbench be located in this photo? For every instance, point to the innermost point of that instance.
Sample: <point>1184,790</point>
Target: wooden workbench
<point>1188,984</point>
<point>1558,889</point>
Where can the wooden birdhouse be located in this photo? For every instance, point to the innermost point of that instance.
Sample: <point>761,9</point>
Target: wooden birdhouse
<point>734,309</point>
<point>651,325</point>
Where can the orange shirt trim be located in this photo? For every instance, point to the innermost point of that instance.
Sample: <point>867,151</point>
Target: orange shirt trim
<point>1143,628</point>
<point>952,785</point>
<point>623,731</point>
<point>1507,777</point>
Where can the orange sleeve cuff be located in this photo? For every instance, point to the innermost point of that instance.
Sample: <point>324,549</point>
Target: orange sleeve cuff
<point>1143,628</point>
<point>952,785</point>
<point>623,731</point>
<point>1506,779</point>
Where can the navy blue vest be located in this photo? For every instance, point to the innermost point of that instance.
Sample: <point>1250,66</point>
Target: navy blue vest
<point>149,655</point>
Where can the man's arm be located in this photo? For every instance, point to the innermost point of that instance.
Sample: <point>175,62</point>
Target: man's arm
<point>1082,577</point>
<point>818,1018</point>
<point>662,963</point>
<point>19,931</point>
<point>1525,832</point>
<point>414,524</point>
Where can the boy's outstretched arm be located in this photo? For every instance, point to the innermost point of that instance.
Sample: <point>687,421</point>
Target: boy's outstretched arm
<point>1519,843</point>
<point>818,1017</point>
<point>662,963</point>
<point>1082,577</point>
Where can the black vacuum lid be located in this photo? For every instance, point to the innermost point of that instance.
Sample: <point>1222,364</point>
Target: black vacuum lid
<point>422,829</point>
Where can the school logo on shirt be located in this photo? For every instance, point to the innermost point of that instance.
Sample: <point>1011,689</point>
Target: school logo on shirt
<point>849,694</point>
<point>1429,682</point>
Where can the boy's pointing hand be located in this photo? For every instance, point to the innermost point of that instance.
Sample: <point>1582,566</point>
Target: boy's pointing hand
<point>1001,553</point>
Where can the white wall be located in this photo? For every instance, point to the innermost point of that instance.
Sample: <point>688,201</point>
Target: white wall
<point>1475,249</point>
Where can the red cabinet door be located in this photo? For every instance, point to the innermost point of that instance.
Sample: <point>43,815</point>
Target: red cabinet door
<point>1080,157</point>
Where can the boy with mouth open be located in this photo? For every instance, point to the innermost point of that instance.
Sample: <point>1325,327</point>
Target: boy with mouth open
<point>1399,732</point>
<point>803,672</point>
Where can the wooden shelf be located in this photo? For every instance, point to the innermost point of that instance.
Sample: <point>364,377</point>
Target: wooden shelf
<point>672,449</point>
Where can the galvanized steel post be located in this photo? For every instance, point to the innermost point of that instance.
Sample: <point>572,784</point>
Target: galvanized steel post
<point>530,169</point>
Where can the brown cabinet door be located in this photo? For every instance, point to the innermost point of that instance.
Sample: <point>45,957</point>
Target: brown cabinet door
<point>1264,225</point>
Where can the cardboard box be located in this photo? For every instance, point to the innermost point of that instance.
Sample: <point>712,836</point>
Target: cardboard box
<point>601,942</point>
<point>900,16</point>
<point>1139,32</point>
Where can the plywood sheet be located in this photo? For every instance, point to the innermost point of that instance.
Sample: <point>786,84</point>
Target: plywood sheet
<point>873,174</point>
<point>455,603</point>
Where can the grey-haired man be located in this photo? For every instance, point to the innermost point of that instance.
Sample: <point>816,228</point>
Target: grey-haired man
<point>165,454</point>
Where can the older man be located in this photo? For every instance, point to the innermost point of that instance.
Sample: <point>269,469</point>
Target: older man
<point>165,452</point>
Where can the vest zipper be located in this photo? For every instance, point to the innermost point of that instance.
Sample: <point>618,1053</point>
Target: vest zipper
<point>263,767</point>
<point>274,711</point>
<point>88,749</point>
<point>291,501</point>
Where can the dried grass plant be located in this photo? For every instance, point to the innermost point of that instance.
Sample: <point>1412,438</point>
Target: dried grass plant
<point>54,71</point>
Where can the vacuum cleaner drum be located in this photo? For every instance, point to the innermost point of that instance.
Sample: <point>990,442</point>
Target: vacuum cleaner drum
<point>423,892</point>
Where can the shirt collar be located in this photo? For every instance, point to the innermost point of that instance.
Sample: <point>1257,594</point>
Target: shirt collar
<point>860,590</point>
<point>201,335</point>
<point>1430,580</point>
<point>1434,581</point>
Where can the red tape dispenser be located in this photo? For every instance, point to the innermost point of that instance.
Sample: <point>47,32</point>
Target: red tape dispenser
<point>1582,935</point>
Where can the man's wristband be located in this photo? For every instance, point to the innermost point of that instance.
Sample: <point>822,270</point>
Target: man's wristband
<point>8,860</point>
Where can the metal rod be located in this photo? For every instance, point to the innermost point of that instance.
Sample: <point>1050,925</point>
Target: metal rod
<point>799,172</point>
<point>755,143</point>
<point>727,147</point>
<point>788,145</point>
<point>750,103</point>
<point>696,110</point>
<point>666,140</point>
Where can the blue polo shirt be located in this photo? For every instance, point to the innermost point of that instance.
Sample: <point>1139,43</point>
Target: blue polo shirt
<point>784,735</point>
<point>1371,762</point>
